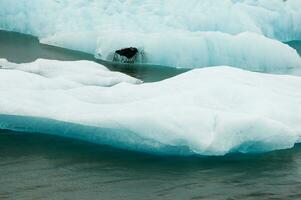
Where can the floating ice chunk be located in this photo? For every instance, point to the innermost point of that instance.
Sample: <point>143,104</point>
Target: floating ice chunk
<point>66,74</point>
<point>210,111</point>
<point>193,50</point>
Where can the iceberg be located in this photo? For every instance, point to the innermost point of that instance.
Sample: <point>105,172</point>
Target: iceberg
<point>276,19</point>
<point>185,50</point>
<point>175,33</point>
<point>63,74</point>
<point>208,111</point>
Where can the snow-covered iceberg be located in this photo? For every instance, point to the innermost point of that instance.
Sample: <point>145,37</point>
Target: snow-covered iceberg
<point>175,33</point>
<point>78,18</point>
<point>210,111</point>
<point>62,74</point>
<point>194,50</point>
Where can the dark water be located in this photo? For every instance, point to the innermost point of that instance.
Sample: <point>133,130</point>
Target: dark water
<point>36,166</point>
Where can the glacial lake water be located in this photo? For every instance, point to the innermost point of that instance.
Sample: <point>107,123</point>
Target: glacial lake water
<point>37,166</point>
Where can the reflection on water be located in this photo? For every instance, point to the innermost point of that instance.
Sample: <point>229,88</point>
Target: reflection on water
<point>34,166</point>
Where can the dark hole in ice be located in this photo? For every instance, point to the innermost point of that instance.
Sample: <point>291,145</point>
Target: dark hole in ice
<point>127,52</point>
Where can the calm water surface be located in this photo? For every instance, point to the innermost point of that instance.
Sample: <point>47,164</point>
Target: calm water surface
<point>34,166</point>
<point>37,166</point>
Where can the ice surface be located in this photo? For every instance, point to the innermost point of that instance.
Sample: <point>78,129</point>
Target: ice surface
<point>62,74</point>
<point>177,33</point>
<point>193,50</point>
<point>209,111</point>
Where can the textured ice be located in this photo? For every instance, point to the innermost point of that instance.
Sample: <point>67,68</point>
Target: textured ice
<point>177,33</point>
<point>209,111</point>
<point>192,50</point>
<point>44,74</point>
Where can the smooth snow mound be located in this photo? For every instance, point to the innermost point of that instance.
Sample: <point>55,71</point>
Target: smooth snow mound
<point>46,74</point>
<point>210,111</point>
<point>176,33</point>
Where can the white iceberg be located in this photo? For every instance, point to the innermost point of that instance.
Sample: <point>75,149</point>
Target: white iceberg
<point>200,33</point>
<point>62,74</point>
<point>195,50</point>
<point>209,111</point>
<point>276,19</point>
